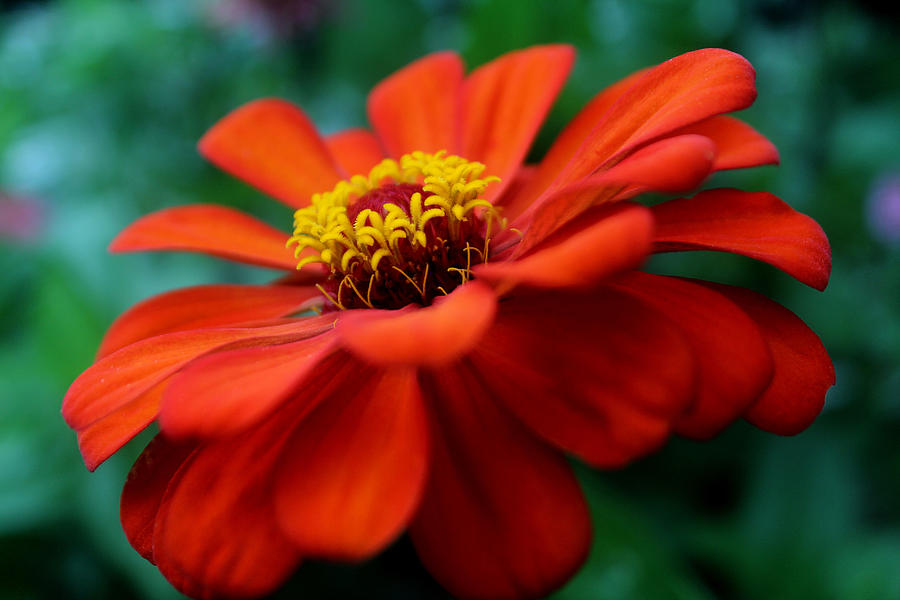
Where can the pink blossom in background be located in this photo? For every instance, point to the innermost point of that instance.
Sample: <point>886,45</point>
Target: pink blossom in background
<point>20,218</point>
<point>271,18</point>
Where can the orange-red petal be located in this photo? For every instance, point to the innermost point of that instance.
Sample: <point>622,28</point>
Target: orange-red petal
<point>671,165</point>
<point>215,533</point>
<point>803,370</point>
<point>124,375</point>
<point>754,224</point>
<point>272,145</point>
<point>356,150</point>
<point>201,307</point>
<point>733,360</point>
<point>104,437</point>
<point>224,393</point>
<point>674,164</point>
<point>568,142</point>
<point>417,108</point>
<point>626,372</point>
<point>210,229</point>
<point>738,146</point>
<point>504,103</point>
<point>511,195</point>
<point>679,92</point>
<point>354,470</point>
<point>144,489</point>
<point>433,335</point>
<point>114,399</point>
<point>502,516</point>
<point>606,241</point>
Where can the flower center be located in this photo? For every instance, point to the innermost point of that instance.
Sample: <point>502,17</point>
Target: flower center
<point>408,233</point>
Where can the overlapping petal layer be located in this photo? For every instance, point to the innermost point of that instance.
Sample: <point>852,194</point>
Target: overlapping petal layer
<point>738,145</point>
<point>203,307</point>
<point>355,469</point>
<point>613,239</point>
<point>502,516</point>
<point>758,225</point>
<point>734,364</point>
<point>803,370</point>
<point>670,165</point>
<point>679,92</point>
<point>421,336</point>
<point>627,372</point>
<point>272,145</point>
<point>119,395</point>
<point>224,490</point>
<point>105,436</point>
<point>569,141</point>
<point>229,391</point>
<point>504,103</point>
<point>417,108</point>
<point>144,490</point>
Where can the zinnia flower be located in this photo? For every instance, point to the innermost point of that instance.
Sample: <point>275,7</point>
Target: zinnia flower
<point>451,325</point>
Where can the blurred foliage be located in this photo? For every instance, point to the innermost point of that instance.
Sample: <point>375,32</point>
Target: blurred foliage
<point>101,103</point>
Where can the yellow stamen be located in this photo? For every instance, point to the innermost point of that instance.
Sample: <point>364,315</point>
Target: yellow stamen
<point>410,230</point>
<point>410,280</point>
<point>329,296</point>
<point>349,281</point>
<point>453,187</point>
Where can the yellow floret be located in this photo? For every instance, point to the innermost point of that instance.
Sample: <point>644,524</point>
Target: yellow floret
<point>453,188</point>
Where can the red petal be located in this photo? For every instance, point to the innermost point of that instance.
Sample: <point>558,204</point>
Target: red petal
<point>202,307</point>
<point>104,437</point>
<point>357,150</point>
<point>754,224</point>
<point>670,165</point>
<point>504,103</point>
<point>560,208</point>
<point>568,142</point>
<point>111,399</point>
<point>679,92</point>
<point>803,370</point>
<point>215,532</point>
<point>733,360</point>
<point>417,108</point>
<point>738,145</point>
<point>355,469</point>
<point>308,275</point>
<point>606,402</point>
<point>520,180</point>
<point>272,145</point>
<point>675,164</point>
<point>432,335</point>
<point>124,375</point>
<point>502,516</point>
<point>210,229</point>
<point>226,392</point>
<point>605,242</point>
<point>143,493</point>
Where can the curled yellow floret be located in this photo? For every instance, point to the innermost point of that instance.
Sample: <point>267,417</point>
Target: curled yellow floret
<point>375,240</point>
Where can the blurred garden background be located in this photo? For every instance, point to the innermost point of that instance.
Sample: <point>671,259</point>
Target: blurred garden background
<point>101,104</point>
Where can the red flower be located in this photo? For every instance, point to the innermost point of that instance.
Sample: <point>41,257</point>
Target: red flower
<point>471,330</point>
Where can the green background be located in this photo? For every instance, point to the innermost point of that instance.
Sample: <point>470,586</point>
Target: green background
<point>102,101</point>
